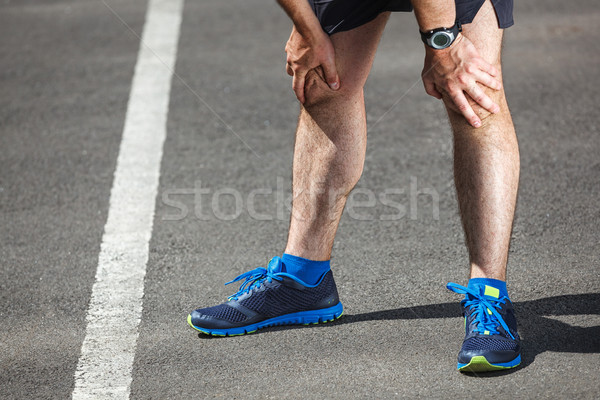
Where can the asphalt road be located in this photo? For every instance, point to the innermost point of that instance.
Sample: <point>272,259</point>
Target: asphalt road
<point>66,69</point>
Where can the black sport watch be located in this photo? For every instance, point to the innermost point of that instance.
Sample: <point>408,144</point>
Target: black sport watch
<point>441,38</point>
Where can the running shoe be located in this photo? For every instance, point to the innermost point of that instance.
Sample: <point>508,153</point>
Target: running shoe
<point>270,297</point>
<point>491,339</point>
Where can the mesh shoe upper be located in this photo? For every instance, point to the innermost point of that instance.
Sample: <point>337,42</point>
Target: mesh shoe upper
<point>224,312</point>
<point>479,343</point>
<point>267,293</point>
<point>283,298</point>
<point>490,327</point>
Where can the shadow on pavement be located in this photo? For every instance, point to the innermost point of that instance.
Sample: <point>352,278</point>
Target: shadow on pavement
<point>539,333</point>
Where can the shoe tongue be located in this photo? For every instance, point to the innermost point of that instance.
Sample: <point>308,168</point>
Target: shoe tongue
<point>275,265</point>
<point>487,292</point>
<point>491,292</point>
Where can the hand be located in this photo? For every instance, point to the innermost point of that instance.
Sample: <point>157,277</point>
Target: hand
<point>305,54</point>
<point>457,73</point>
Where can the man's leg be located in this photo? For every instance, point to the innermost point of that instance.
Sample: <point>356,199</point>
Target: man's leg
<point>486,173</point>
<point>298,288</point>
<point>330,144</point>
<point>486,164</point>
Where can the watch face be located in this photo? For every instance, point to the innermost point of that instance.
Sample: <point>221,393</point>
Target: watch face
<point>441,40</point>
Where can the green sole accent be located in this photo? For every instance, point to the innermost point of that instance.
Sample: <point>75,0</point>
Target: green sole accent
<point>481,364</point>
<point>189,321</point>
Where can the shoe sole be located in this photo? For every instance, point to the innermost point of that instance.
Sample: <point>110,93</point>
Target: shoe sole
<point>312,317</point>
<point>481,364</point>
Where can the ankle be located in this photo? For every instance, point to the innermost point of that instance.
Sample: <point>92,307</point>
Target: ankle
<point>306,270</point>
<point>497,272</point>
<point>498,286</point>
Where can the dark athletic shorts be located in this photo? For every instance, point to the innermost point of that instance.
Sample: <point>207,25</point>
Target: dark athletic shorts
<point>343,15</point>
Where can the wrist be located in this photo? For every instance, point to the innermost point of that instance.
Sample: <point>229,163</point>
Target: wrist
<point>448,49</point>
<point>312,31</point>
<point>441,38</point>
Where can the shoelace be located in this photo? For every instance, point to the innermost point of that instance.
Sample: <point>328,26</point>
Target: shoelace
<point>485,320</point>
<point>253,279</point>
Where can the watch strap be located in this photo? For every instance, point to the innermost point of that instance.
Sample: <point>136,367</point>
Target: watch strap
<point>455,29</point>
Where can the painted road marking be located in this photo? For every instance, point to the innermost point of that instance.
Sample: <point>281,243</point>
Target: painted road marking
<point>107,354</point>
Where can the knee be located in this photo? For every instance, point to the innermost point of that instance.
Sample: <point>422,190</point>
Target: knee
<point>317,92</point>
<point>497,96</point>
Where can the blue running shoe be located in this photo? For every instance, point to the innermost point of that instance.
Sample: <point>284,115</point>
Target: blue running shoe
<point>269,297</point>
<point>491,339</point>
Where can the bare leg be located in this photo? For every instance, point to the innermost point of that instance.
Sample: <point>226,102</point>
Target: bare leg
<point>330,144</point>
<point>486,164</point>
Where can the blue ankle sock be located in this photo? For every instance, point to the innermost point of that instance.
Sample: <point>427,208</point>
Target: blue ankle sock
<point>475,283</point>
<point>307,271</point>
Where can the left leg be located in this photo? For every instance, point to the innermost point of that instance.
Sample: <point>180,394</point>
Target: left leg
<point>486,164</point>
<point>486,174</point>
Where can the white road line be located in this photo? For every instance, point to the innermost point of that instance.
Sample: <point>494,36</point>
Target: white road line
<point>107,353</point>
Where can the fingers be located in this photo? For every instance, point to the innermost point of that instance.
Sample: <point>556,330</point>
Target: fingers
<point>298,85</point>
<point>462,76</point>
<point>487,80</point>
<point>487,67</point>
<point>461,102</point>
<point>482,99</point>
<point>331,75</point>
<point>289,70</point>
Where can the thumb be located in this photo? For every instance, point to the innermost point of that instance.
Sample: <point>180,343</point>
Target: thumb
<point>331,75</point>
<point>431,90</point>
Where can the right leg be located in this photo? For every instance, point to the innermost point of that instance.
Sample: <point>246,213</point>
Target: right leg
<point>328,160</point>
<point>330,144</point>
